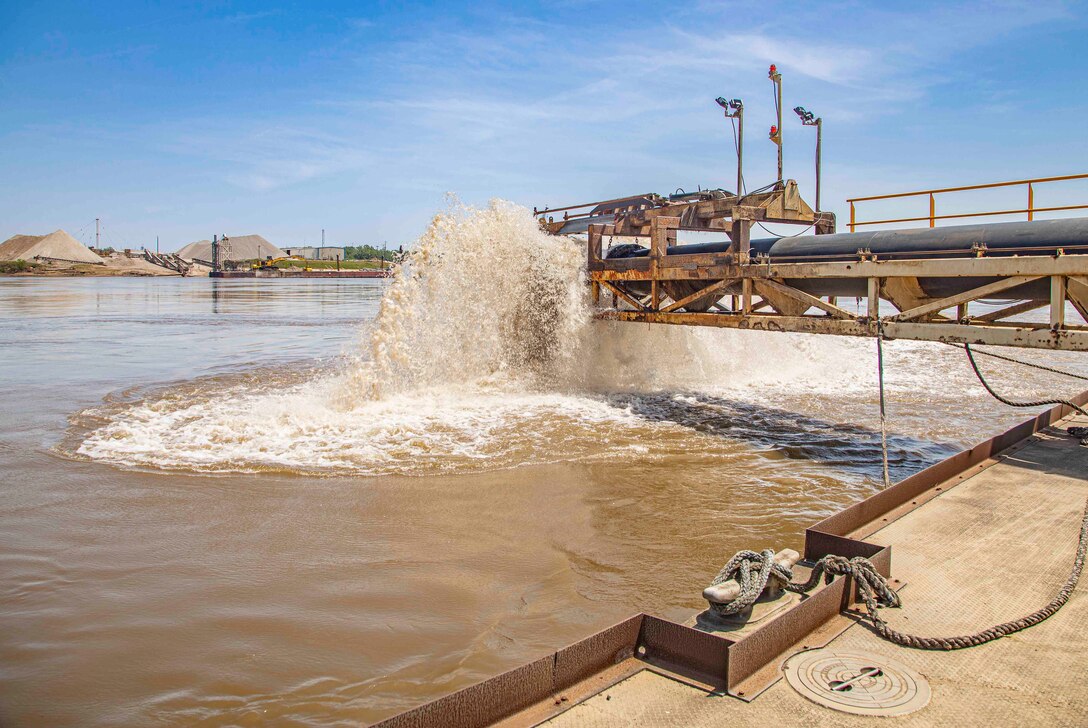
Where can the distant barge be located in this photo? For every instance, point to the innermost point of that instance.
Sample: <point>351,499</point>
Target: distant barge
<point>291,273</point>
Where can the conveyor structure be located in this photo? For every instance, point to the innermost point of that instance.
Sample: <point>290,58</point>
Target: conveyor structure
<point>934,277</point>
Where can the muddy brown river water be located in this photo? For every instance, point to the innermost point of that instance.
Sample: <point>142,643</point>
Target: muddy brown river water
<point>202,523</point>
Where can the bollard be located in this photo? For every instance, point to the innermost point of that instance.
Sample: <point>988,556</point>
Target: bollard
<point>729,590</point>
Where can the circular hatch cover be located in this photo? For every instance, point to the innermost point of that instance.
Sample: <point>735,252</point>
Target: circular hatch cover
<point>858,683</point>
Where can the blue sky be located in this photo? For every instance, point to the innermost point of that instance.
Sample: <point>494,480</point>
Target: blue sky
<point>182,120</point>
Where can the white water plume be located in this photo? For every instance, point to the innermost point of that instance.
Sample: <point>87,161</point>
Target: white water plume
<point>483,294</point>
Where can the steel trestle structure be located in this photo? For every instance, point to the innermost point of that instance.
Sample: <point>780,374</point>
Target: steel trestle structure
<point>736,285</point>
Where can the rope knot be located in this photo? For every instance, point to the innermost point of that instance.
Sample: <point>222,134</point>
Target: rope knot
<point>744,578</point>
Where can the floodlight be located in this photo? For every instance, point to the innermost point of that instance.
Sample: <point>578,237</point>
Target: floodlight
<point>806,116</point>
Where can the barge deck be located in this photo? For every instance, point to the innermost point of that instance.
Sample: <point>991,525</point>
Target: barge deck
<point>985,550</point>
<point>981,538</point>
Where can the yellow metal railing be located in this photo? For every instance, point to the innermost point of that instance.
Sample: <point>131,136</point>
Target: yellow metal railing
<point>933,217</point>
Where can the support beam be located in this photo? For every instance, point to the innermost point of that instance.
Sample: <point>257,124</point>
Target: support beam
<point>1036,336</point>
<point>971,295</point>
<point>596,233</point>
<point>698,294</point>
<point>1076,290</point>
<point>620,293</point>
<point>1023,336</point>
<point>740,236</point>
<point>784,305</point>
<point>715,266</point>
<point>662,232</point>
<point>812,301</point>
<point>1015,310</point>
<point>1057,302</point>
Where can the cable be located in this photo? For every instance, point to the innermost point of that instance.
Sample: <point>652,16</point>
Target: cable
<point>883,412</point>
<point>780,235</point>
<point>764,188</point>
<point>1025,363</point>
<point>1011,403</point>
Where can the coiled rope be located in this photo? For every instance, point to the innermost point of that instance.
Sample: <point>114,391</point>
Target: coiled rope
<point>752,571</point>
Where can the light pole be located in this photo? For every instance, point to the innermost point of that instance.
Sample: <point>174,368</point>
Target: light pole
<point>734,109</point>
<point>810,119</point>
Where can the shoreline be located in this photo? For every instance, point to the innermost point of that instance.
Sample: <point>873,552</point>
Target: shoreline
<point>88,270</point>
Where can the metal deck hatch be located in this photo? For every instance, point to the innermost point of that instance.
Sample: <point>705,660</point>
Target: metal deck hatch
<point>858,683</point>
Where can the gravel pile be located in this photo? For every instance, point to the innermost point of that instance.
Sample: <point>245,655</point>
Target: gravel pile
<point>242,247</point>
<point>57,246</point>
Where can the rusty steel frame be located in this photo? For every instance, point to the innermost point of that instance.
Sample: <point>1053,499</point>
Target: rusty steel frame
<point>780,204</point>
<point>763,284</point>
<point>583,206</point>
<point>740,668</point>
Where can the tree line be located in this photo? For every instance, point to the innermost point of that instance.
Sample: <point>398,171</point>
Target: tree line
<point>368,252</point>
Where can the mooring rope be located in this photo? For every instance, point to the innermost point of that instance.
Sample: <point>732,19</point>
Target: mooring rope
<point>872,586</point>
<point>752,571</point>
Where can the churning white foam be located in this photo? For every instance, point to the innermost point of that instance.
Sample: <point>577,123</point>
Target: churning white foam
<point>453,428</point>
<point>475,361</point>
<point>484,355</point>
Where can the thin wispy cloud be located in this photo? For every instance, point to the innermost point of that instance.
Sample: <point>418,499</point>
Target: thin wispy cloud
<point>248,17</point>
<point>459,123</point>
<point>263,158</point>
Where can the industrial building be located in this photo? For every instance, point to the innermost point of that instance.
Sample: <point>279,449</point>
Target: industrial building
<point>316,253</point>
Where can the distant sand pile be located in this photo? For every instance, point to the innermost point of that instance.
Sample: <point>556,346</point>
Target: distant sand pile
<point>242,247</point>
<point>56,246</point>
